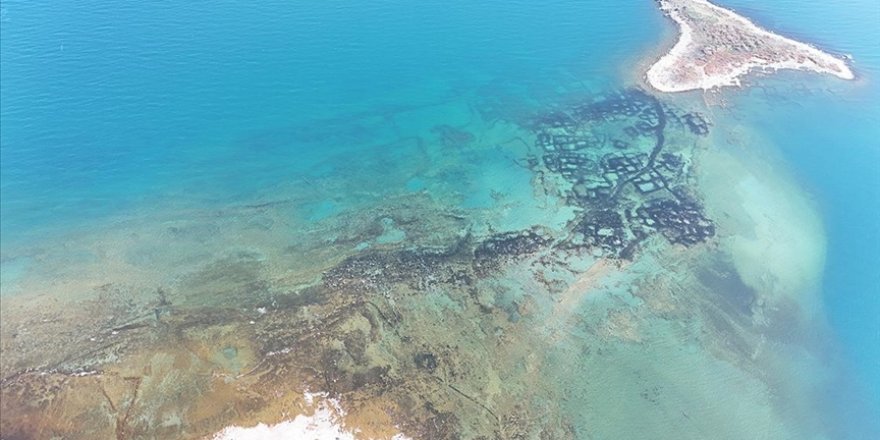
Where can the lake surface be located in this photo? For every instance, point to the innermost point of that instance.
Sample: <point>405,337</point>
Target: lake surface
<point>220,214</point>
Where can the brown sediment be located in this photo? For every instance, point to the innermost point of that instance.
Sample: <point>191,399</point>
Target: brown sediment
<point>122,429</point>
<point>440,337</point>
<point>632,192</point>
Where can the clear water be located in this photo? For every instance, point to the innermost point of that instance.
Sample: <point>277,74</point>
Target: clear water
<point>112,111</point>
<point>833,144</point>
<point>106,103</point>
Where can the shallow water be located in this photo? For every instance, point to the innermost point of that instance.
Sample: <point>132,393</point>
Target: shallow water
<point>241,206</point>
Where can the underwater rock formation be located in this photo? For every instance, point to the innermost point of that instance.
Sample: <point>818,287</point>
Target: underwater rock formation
<point>424,340</point>
<point>630,178</point>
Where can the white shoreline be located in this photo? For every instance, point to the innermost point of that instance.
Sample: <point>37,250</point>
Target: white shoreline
<point>326,423</point>
<point>680,69</point>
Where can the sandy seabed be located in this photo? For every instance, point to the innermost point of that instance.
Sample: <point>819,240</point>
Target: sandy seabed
<point>481,278</point>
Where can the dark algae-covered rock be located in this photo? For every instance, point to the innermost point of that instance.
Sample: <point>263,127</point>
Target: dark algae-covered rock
<point>425,333</point>
<point>636,175</point>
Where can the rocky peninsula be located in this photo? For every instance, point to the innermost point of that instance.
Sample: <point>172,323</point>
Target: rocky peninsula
<point>716,47</point>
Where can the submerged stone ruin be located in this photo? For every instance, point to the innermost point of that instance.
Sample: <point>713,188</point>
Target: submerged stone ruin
<point>364,331</point>
<point>613,158</point>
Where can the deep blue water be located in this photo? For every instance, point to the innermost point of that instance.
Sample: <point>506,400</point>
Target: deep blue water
<point>109,104</point>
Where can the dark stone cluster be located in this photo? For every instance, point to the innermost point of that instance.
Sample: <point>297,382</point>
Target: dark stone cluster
<point>665,172</point>
<point>570,165</point>
<point>603,229</point>
<point>680,222</point>
<point>426,361</point>
<point>623,164</point>
<point>696,123</point>
<point>624,192</point>
<point>419,269</point>
<point>629,103</point>
<point>596,185</point>
<point>639,105</point>
<point>627,185</point>
<point>496,249</point>
<point>564,142</point>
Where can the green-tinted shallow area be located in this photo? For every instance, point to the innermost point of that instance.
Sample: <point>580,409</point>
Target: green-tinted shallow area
<point>552,273</point>
<point>499,233</point>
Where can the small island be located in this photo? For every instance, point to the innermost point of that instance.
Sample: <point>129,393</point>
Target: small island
<point>717,46</point>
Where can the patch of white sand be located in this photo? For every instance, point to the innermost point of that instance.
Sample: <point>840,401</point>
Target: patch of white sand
<point>325,424</point>
<point>767,223</point>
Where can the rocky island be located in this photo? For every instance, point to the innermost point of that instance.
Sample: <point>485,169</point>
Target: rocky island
<point>717,46</point>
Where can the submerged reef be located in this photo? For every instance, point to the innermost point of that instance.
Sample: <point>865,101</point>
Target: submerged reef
<point>432,337</point>
<point>623,176</point>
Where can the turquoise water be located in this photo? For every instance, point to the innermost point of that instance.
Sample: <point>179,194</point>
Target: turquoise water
<point>105,104</point>
<point>110,110</point>
<point>833,143</point>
